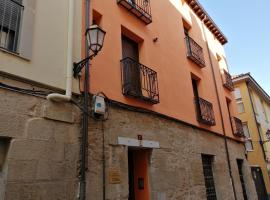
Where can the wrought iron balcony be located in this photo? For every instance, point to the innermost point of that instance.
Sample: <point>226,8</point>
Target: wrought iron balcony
<point>237,127</point>
<point>139,81</point>
<point>195,52</point>
<point>227,80</point>
<point>205,112</point>
<point>140,8</point>
<point>10,22</point>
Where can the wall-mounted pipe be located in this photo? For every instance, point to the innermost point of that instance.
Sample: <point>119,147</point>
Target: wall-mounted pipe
<point>220,110</point>
<point>68,94</point>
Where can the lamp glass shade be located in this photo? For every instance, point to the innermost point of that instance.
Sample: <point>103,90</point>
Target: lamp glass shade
<point>95,36</point>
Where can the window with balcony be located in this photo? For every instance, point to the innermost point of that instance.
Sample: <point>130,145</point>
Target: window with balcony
<point>194,50</point>
<point>140,8</point>
<point>138,80</point>
<point>204,109</point>
<point>227,80</point>
<point>237,125</point>
<point>207,162</point>
<point>10,23</point>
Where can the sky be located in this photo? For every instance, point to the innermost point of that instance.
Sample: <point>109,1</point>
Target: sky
<point>246,24</point>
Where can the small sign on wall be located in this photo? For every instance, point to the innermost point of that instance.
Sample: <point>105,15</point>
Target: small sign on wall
<point>114,176</point>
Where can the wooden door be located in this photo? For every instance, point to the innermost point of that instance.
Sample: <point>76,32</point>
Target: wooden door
<point>138,175</point>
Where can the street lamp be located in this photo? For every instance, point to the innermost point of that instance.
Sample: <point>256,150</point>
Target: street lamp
<point>95,39</point>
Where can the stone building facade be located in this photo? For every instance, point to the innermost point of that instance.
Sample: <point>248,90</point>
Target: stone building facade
<point>42,139</point>
<point>175,169</point>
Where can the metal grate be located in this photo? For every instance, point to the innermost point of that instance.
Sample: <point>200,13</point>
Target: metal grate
<point>139,81</point>
<point>227,81</point>
<point>205,112</point>
<point>237,125</point>
<point>207,161</point>
<point>140,8</point>
<point>194,51</point>
<point>240,166</point>
<point>10,22</point>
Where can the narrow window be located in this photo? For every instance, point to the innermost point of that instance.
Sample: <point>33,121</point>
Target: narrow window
<point>207,161</point>
<point>195,89</point>
<point>239,101</point>
<point>248,141</point>
<point>4,144</point>
<point>10,22</point>
<point>96,18</point>
<point>254,100</point>
<point>196,96</point>
<point>264,111</point>
<point>229,111</point>
<point>240,170</point>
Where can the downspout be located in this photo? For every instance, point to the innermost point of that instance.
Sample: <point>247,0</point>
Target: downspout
<point>68,94</point>
<point>254,115</point>
<point>85,124</point>
<point>220,110</point>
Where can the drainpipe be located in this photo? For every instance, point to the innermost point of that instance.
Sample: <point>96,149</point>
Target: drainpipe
<point>220,110</point>
<point>68,94</point>
<point>84,143</point>
<point>254,114</point>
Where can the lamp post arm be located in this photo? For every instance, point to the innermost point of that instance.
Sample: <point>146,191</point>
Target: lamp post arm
<point>77,67</point>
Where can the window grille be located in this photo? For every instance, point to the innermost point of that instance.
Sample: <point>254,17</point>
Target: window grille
<point>207,161</point>
<point>10,23</point>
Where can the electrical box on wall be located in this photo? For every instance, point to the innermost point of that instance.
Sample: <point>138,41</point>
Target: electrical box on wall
<point>99,105</point>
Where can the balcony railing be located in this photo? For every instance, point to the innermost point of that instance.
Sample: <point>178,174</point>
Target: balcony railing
<point>237,127</point>
<point>10,22</point>
<point>195,52</point>
<point>205,112</point>
<point>140,8</point>
<point>139,81</point>
<point>227,80</point>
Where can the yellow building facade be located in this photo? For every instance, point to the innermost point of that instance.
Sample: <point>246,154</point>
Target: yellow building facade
<point>253,106</point>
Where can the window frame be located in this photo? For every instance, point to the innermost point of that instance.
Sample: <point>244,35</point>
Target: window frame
<point>247,139</point>
<point>12,37</point>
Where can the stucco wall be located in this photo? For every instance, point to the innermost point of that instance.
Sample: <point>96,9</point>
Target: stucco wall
<point>167,57</point>
<point>255,157</point>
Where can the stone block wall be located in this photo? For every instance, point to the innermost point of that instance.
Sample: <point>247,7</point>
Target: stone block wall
<point>43,155</point>
<point>175,169</point>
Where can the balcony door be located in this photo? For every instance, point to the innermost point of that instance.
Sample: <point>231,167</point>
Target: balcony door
<point>130,52</point>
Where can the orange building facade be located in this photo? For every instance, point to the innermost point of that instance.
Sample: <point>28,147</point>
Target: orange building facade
<point>171,109</point>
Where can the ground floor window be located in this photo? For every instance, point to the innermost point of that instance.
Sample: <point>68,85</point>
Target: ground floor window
<point>240,170</point>
<point>207,161</point>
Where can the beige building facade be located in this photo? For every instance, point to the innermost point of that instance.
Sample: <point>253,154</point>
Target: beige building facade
<point>39,138</point>
<point>253,110</point>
